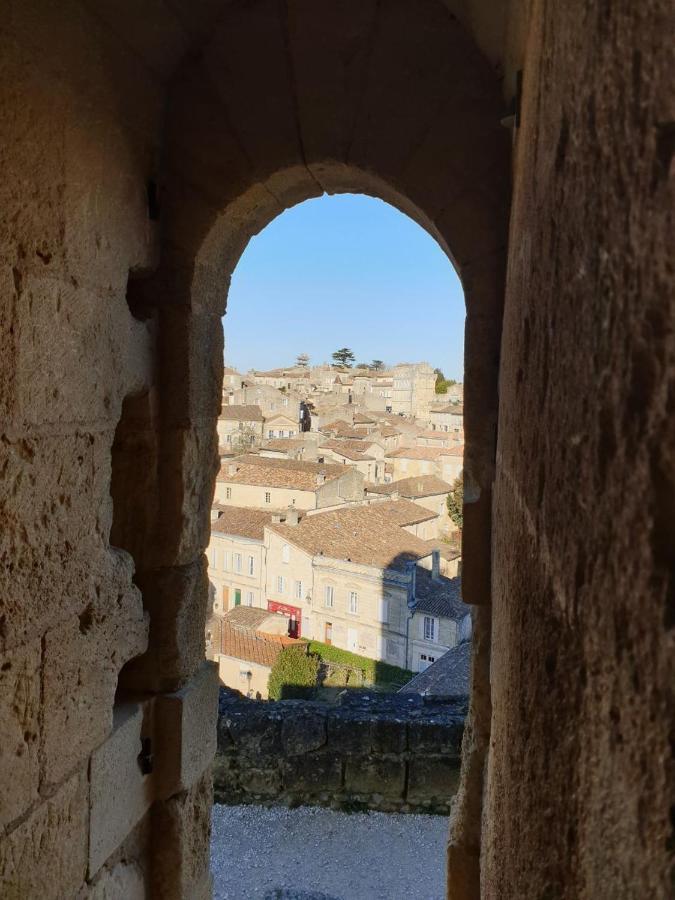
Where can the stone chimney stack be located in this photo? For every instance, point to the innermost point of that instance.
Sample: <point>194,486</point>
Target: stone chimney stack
<point>232,468</point>
<point>436,564</point>
<point>292,517</point>
<point>321,478</point>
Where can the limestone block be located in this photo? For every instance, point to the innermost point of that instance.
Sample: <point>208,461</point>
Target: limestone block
<point>314,773</point>
<point>175,600</point>
<point>436,737</point>
<point>261,782</point>
<point>388,736</point>
<point>329,45</point>
<point>349,734</point>
<point>432,778</point>
<point>373,775</point>
<point>256,734</point>
<point>185,731</point>
<point>58,324</point>
<point>82,659</point>
<point>55,496</point>
<point>259,98</point>
<point>120,793</point>
<point>20,672</point>
<point>124,881</point>
<point>181,828</point>
<point>46,855</point>
<point>303,731</point>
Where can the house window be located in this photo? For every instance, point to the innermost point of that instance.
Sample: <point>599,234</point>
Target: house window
<point>236,557</point>
<point>268,497</point>
<point>298,590</point>
<point>353,602</point>
<point>384,610</point>
<point>281,584</point>
<point>429,626</point>
<point>225,561</point>
<point>251,565</point>
<point>270,433</point>
<point>228,493</point>
<point>249,598</point>
<point>329,596</point>
<point>285,553</point>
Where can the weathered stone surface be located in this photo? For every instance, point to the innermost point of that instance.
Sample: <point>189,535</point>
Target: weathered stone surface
<point>175,600</point>
<point>261,782</point>
<point>185,732</point>
<point>368,775</point>
<point>436,736</point>
<point>82,659</point>
<point>387,735</point>
<point>303,731</point>
<point>256,733</point>
<point>432,778</point>
<point>124,881</point>
<point>19,727</point>
<point>46,855</point>
<point>181,829</point>
<point>120,792</point>
<point>351,733</point>
<point>316,773</point>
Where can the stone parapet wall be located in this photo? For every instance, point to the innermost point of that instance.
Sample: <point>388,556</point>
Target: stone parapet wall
<point>385,752</point>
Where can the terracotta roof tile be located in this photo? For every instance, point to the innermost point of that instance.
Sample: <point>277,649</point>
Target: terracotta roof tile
<point>269,472</point>
<point>371,535</point>
<point>237,520</point>
<point>244,413</point>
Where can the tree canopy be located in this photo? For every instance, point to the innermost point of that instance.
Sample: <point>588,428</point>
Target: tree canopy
<point>455,501</point>
<point>377,365</point>
<point>344,357</point>
<point>302,360</point>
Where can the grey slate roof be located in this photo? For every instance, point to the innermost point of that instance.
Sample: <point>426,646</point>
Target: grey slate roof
<point>441,597</point>
<point>449,676</point>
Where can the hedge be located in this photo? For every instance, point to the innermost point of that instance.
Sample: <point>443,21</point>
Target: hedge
<point>294,675</point>
<point>374,671</point>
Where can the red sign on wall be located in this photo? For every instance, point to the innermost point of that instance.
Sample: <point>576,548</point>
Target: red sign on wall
<point>293,613</point>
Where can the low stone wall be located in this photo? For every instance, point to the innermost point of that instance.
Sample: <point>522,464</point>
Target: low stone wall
<point>388,752</point>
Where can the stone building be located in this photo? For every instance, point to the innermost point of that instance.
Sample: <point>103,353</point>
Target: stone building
<point>240,427</point>
<point>449,418</point>
<point>143,145</point>
<point>260,482</point>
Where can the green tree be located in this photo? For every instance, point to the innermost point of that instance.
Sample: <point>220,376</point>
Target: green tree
<point>244,439</point>
<point>294,674</point>
<point>441,385</point>
<point>363,366</point>
<point>455,501</point>
<point>344,358</point>
<point>302,360</point>
<point>377,365</point>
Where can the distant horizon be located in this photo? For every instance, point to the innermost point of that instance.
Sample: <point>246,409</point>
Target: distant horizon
<point>354,367</point>
<point>345,270</point>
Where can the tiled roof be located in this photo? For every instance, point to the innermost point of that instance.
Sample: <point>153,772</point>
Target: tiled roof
<point>281,416</point>
<point>237,520</point>
<point>449,676</point>
<point>388,431</point>
<point>288,473</point>
<point>246,643</point>
<point>436,435</point>
<point>283,444</point>
<point>361,419</point>
<point>371,535</point>
<point>455,408</point>
<point>431,453</point>
<point>346,449</point>
<point>452,451</point>
<point>235,413</point>
<point>416,486</point>
<point>440,596</point>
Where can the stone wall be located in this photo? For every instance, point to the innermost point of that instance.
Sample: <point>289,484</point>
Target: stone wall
<point>387,752</point>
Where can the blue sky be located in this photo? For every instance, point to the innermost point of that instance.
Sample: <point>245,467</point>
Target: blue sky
<point>344,271</point>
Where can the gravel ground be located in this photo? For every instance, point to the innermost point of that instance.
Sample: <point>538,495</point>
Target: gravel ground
<point>311,853</point>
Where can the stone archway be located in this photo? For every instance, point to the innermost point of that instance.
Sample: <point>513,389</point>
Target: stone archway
<point>284,103</point>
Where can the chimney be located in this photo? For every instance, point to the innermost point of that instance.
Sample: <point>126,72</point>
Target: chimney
<point>321,478</point>
<point>277,518</point>
<point>232,468</point>
<point>436,564</point>
<point>292,517</point>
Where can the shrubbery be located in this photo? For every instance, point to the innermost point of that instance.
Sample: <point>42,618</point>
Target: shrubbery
<point>374,672</point>
<point>294,675</point>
